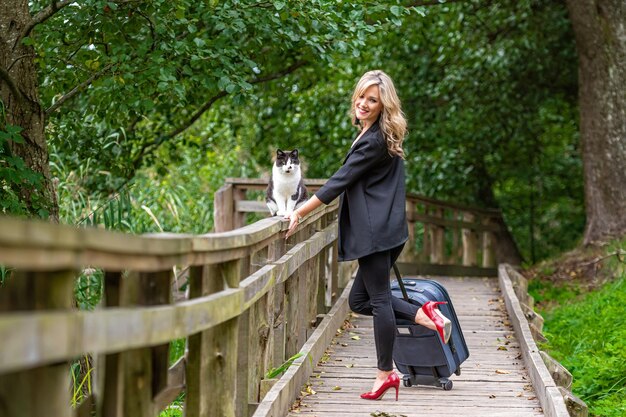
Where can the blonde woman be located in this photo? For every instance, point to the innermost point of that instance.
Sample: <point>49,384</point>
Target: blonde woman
<point>372,219</point>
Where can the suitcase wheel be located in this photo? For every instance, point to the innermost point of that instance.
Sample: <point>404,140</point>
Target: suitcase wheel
<point>458,371</point>
<point>447,386</point>
<point>406,380</point>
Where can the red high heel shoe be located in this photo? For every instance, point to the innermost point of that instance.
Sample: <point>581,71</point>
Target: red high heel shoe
<point>392,381</point>
<point>443,324</point>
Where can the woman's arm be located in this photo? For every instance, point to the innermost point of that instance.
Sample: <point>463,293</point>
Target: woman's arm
<point>302,211</point>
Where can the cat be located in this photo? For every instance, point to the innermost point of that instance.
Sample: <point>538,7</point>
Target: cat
<point>285,191</point>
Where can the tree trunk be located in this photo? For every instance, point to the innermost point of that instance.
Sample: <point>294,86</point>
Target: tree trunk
<point>19,95</point>
<point>600,34</point>
<point>506,249</point>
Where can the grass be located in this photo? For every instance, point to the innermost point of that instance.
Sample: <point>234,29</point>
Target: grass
<point>586,329</point>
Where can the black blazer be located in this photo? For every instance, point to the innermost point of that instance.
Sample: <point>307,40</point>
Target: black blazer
<point>372,214</point>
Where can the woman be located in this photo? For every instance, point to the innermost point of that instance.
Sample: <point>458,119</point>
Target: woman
<point>372,219</point>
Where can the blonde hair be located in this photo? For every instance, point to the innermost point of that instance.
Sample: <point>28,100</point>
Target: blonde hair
<point>391,119</point>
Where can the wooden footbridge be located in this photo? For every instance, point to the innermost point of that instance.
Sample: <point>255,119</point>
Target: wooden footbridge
<point>253,301</point>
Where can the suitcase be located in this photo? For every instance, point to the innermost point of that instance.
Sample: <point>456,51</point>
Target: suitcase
<point>419,353</point>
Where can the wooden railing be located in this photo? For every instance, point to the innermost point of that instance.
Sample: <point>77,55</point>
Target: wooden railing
<point>233,201</point>
<point>449,239</point>
<point>253,300</point>
<point>444,238</point>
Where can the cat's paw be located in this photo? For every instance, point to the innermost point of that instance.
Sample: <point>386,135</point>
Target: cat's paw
<point>280,213</point>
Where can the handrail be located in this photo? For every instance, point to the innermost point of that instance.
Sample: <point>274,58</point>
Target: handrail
<point>253,300</point>
<point>444,237</point>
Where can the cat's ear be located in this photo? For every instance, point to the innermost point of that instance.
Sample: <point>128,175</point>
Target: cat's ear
<point>279,153</point>
<point>294,153</point>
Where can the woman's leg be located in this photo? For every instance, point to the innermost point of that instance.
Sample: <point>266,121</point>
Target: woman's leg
<point>359,299</point>
<point>373,280</point>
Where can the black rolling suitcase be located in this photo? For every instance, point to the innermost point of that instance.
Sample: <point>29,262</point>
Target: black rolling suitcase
<point>419,353</point>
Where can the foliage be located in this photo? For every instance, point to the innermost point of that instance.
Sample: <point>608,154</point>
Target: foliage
<point>15,175</point>
<point>164,64</point>
<point>274,372</point>
<point>173,410</point>
<point>585,335</point>
<point>489,90</point>
<point>88,288</point>
<point>81,380</point>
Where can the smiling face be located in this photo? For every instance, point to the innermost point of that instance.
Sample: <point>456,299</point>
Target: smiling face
<point>367,106</point>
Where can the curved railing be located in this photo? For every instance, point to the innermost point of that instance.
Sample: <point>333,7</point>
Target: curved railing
<point>253,300</point>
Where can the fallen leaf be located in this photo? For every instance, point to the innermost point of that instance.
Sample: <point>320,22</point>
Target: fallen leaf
<point>355,338</point>
<point>502,348</point>
<point>336,388</point>
<point>350,365</point>
<point>500,371</point>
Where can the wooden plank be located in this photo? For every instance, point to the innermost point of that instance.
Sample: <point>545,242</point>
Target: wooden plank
<point>445,204</point>
<point>109,402</point>
<point>242,403</point>
<point>494,380</point>
<point>34,245</point>
<point>251,206</point>
<point>279,399</point>
<point>212,360</point>
<point>455,224</point>
<point>546,389</point>
<point>470,243</point>
<point>223,208</point>
<point>116,329</point>
<point>144,369</point>
<point>239,219</point>
<point>175,385</point>
<point>159,292</point>
<point>44,390</point>
<point>446,270</point>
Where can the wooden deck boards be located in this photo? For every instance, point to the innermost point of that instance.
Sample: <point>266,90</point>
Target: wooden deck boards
<point>493,381</point>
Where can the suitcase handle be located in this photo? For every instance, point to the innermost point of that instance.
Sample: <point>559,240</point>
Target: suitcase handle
<point>400,283</point>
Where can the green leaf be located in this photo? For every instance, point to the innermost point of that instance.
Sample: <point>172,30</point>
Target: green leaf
<point>396,10</point>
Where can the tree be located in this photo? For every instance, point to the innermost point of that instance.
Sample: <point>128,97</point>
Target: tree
<point>601,44</point>
<point>114,80</point>
<point>19,98</point>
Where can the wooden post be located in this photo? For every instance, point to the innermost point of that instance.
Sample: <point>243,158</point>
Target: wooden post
<point>425,255</point>
<point>235,272</point>
<point>276,250</point>
<point>437,245</point>
<point>211,375</point>
<point>145,369</point>
<point>324,274</point>
<point>455,251</point>
<point>239,219</point>
<point>409,252</point>
<point>489,254</point>
<point>470,244</point>
<point>223,209</point>
<point>45,390</point>
<point>109,400</point>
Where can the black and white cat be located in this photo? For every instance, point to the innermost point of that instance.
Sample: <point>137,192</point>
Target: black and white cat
<point>286,190</point>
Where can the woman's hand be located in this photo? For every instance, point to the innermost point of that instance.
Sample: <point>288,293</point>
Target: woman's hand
<point>294,221</point>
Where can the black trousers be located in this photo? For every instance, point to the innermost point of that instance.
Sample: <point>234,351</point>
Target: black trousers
<point>371,296</point>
